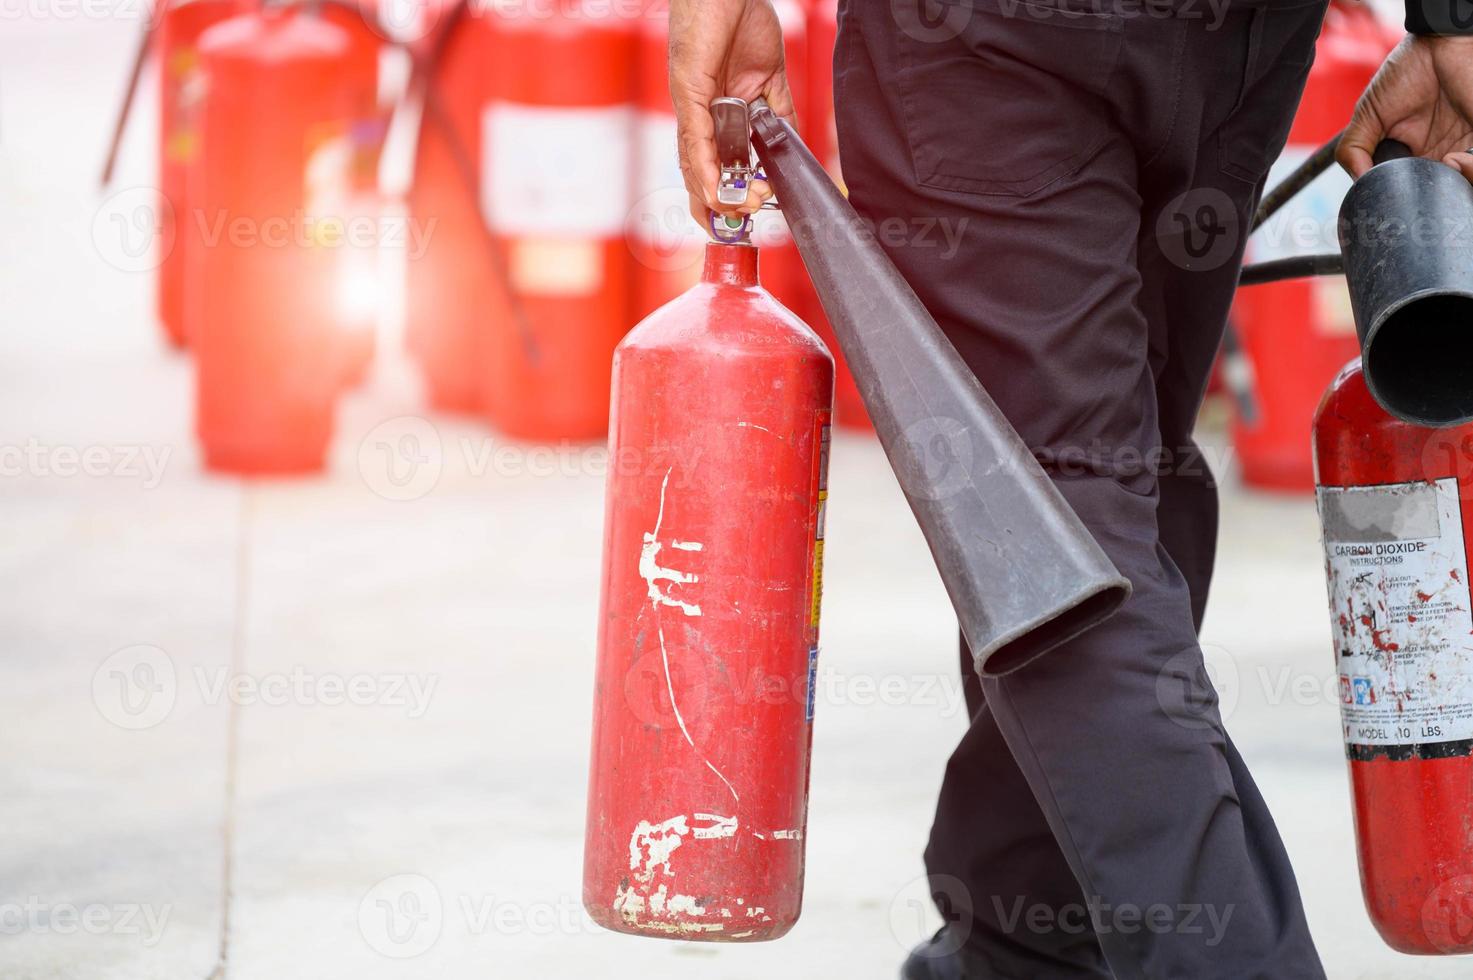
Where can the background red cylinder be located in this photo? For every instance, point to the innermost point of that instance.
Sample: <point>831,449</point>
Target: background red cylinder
<point>181,102</point>
<point>1296,335</point>
<point>1396,509</point>
<point>449,286</point>
<point>823,139</point>
<point>783,273</point>
<point>359,299</point>
<point>667,244</point>
<point>708,629</point>
<point>556,177</point>
<point>275,164</point>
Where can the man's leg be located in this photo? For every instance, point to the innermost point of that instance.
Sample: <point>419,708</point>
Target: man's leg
<point>990,836</point>
<point>1042,296</point>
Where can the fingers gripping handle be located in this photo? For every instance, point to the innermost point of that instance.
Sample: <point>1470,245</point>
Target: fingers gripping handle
<point>1389,149</point>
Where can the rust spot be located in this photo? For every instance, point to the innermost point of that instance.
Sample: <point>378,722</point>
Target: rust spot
<point>1382,644</point>
<point>1424,596</point>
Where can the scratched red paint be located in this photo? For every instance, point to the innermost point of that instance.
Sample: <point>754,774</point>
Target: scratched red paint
<point>698,790</point>
<point>1413,816</point>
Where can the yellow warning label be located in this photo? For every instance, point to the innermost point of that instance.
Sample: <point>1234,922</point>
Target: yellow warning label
<point>820,506</point>
<point>816,599</point>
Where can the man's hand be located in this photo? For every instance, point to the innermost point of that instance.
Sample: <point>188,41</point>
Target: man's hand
<point>1422,96</point>
<point>722,47</point>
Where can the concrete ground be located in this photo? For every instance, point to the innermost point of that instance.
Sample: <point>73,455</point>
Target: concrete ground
<point>311,728</point>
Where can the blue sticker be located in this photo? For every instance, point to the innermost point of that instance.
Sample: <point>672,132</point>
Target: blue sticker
<point>812,681</point>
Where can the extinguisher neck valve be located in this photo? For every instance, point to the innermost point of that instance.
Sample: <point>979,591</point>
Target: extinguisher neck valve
<point>730,265</point>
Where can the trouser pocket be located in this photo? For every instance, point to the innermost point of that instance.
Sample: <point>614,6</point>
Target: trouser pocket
<point>1003,96</point>
<point>1280,53</point>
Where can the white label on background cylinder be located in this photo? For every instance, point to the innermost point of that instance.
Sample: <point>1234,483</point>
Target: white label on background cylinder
<point>659,156</point>
<point>1307,223</point>
<point>1399,609</point>
<point>660,230</point>
<point>556,171</point>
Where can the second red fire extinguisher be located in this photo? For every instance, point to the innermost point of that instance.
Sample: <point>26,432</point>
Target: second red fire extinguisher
<point>708,627</point>
<point>708,623</point>
<point>1396,510</point>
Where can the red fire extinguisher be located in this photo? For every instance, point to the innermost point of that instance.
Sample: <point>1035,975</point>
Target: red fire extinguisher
<point>181,98</point>
<point>1295,335</point>
<point>450,295</point>
<point>557,172</point>
<point>275,165</point>
<point>823,139</point>
<point>708,631</point>
<point>1396,511</point>
<point>359,299</point>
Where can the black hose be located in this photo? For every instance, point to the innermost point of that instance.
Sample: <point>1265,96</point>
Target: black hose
<point>140,58</point>
<point>1296,267</point>
<point>1319,161</point>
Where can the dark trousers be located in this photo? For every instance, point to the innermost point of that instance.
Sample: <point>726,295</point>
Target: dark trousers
<point>1068,190</point>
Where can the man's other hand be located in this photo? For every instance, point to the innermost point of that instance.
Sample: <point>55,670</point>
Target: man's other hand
<point>1422,96</point>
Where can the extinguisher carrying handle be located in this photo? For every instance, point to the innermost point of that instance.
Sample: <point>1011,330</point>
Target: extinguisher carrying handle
<point>731,120</point>
<point>1389,149</point>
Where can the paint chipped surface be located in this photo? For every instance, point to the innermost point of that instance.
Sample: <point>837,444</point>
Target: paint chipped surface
<point>654,573</point>
<point>649,901</point>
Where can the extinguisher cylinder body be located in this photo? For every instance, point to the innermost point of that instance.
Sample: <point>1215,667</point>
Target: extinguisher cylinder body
<point>1396,510</point>
<point>708,629</point>
<point>449,283</point>
<point>1296,335</point>
<point>358,295</point>
<point>181,102</point>
<point>557,155</point>
<point>269,359</point>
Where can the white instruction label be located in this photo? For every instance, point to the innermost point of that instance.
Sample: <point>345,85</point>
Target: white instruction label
<point>550,171</point>
<point>1399,609</point>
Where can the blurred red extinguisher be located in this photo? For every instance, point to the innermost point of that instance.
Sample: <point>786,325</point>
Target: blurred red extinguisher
<point>664,238</point>
<point>823,139</point>
<point>451,295</point>
<point>359,299</point>
<point>1396,511</point>
<point>173,38</point>
<point>275,169</point>
<point>170,39</point>
<point>1295,335</point>
<point>557,157</point>
<point>783,273</point>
